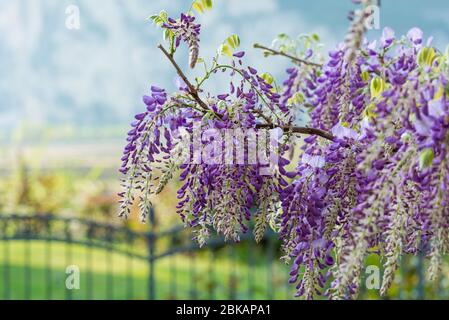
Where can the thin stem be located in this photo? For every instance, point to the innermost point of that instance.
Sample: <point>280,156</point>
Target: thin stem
<point>301,130</point>
<point>225,66</point>
<point>262,115</point>
<point>279,53</point>
<point>192,91</point>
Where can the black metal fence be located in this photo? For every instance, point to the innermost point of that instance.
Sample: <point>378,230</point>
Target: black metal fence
<point>116,262</point>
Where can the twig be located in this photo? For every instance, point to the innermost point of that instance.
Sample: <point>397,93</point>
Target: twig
<point>192,91</point>
<point>279,53</point>
<point>301,130</point>
<point>262,115</point>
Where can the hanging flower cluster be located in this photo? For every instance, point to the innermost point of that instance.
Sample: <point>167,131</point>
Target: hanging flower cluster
<point>185,29</point>
<point>372,175</point>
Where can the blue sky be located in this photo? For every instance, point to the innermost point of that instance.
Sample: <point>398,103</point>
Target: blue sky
<point>96,76</point>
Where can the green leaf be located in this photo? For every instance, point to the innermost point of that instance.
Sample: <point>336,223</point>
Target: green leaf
<point>225,50</point>
<point>267,77</point>
<point>168,35</point>
<point>202,5</point>
<point>377,87</point>
<point>426,158</point>
<point>164,15</point>
<point>156,19</point>
<point>365,76</point>
<point>207,4</point>
<point>229,45</point>
<point>426,57</point>
<point>297,98</point>
<point>233,41</point>
<point>221,105</point>
<point>198,6</point>
<point>369,111</point>
<point>159,19</point>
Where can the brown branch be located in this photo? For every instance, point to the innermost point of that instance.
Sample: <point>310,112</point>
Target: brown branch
<point>192,91</point>
<point>301,130</point>
<point>262,115</point>
<point>279,53</point>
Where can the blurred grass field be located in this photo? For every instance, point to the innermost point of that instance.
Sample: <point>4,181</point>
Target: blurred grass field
<point>129,276</point>
<point>176,277</point>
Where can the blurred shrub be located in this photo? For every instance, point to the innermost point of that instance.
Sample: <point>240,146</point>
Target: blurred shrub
<point>27,189</point>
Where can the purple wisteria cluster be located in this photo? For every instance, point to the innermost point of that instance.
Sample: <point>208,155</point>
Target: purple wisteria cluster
<point>372,174</point>
<point>381,184</point>
<point>185,29</point>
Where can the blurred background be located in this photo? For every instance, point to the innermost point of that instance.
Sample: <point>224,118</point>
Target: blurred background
<point>66,99</point>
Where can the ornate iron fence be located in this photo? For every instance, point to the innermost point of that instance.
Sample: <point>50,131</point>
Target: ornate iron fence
<point>175,267</point>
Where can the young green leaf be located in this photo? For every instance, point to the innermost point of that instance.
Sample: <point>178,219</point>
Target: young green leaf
<point>426,57</point>
<point>426,158</point>
<point>159,19</point>
<point>198,6</point>
<point>225,50</point>
<point>229,45</point>
<point>201,6</point>
<point>267,77</point>
<point>365,76</point>
<point>296,99</point>
<point>377,87</point>
<point>316,37</point>
<point>233,41</point>
<point>168,35</point>
<point>207,4</point>
<point>369,111</point>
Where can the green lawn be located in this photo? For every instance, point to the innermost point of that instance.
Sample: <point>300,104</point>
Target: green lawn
<point>106,275</point>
